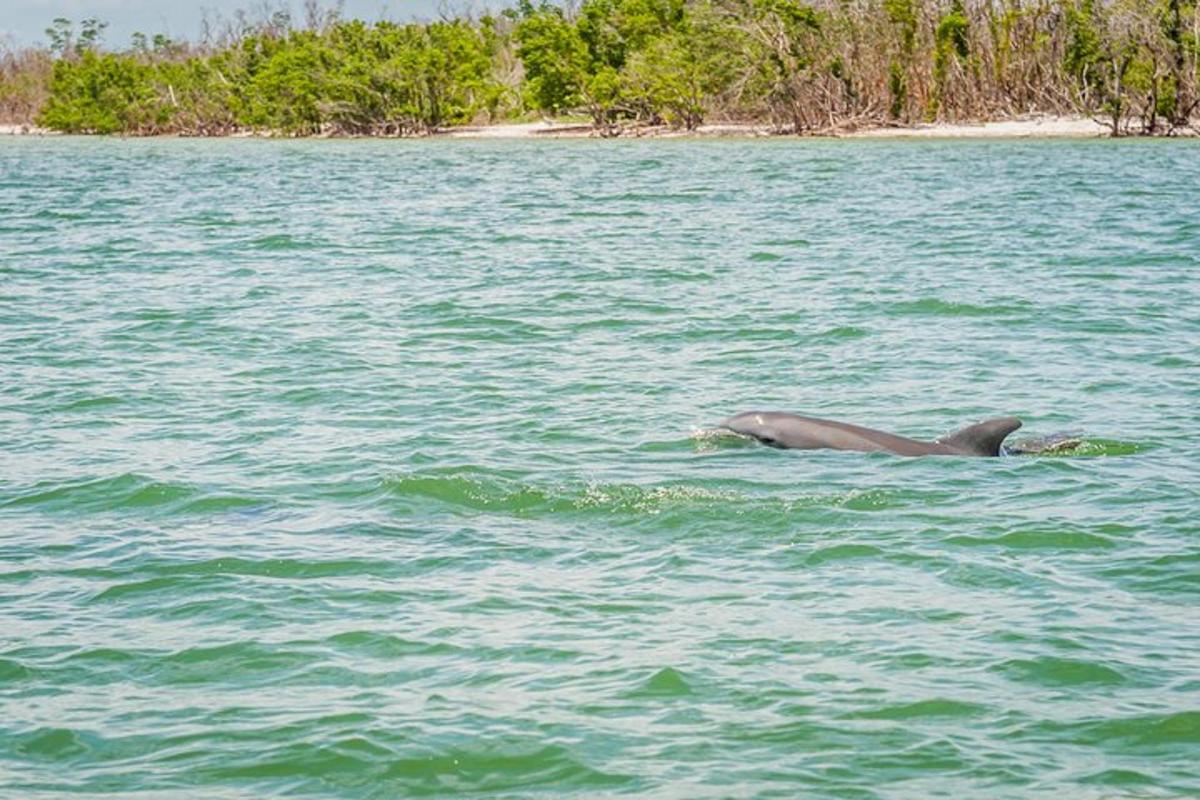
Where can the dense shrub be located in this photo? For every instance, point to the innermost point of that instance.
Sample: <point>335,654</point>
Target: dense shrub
<point>798,65</point>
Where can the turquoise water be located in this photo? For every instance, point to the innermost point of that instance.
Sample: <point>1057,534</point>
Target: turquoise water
<point>384,469</point>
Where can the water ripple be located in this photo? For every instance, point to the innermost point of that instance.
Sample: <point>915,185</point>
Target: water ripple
<point>373,469</point>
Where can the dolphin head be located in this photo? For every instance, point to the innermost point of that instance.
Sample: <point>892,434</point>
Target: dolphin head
<point>760,425</point>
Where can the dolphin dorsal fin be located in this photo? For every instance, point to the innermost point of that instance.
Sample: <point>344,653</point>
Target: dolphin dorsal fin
<point>982,438</point>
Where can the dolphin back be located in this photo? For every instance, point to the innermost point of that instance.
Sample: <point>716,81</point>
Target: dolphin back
<point>983,438</point>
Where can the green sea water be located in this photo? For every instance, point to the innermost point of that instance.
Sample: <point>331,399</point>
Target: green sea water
<point>372,469</point>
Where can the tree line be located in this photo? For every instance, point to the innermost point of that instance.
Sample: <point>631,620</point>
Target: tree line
<point>796,65</point>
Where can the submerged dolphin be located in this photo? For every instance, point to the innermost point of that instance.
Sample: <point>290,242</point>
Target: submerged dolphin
<point>791,431</point>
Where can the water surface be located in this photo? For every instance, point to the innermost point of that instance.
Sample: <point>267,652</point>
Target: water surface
<point>378,469</point>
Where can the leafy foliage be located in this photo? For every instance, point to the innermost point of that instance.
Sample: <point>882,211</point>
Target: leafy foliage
<point>555,58</point>
<point>798,64</point>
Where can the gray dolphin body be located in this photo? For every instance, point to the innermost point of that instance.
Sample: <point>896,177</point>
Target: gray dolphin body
<point>793,432</point>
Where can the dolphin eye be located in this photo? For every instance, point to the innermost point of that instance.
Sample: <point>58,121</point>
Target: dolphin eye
<point>769,441</point>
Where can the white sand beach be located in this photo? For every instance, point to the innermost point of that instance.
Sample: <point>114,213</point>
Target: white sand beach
<point>7,129</point>
<point>520,130</point>
<point>1032,127</point>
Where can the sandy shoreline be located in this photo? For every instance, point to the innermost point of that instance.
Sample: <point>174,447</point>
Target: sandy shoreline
<point>24,130</point>
<point>581,130</point>
<point>1033,127</point>
<point>1039,127</point>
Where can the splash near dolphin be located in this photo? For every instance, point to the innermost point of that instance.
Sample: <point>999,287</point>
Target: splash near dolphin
<point>794,432</point>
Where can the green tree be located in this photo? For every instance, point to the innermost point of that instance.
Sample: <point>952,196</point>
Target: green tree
<point>678,74</point>
<point>284,93</point>
<point>555,58</point>
<point>103,93</point>
<point>951,46</point>
<point>61,34</point>
<point>615,29</point>
<point>902,16</point>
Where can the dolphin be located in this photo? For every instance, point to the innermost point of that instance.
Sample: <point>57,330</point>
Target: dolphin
<point>791,431</point>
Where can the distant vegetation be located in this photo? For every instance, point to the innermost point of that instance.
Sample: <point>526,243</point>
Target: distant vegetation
<point>797,66</point>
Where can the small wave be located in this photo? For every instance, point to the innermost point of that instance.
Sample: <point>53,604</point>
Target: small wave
<point>101,656</point>
<point>658,199</point>
<point>1110,447</point>
<point>55,744</point>
<point>842,552</point>
<point>503,768</point>
<point>1143,730</point>
<point>133,492</point>
<point>282,242</point>
<point>482,328</point>
<point>13,671</point>
<point>126,491</point>
<point>1051,671</point>
<point>666,682</point>
<point>59,214</point>
<point>604,214</point>
<point>274,567</point>
<point>842,333</point>
<point>92,403</point>
<point>932,306</point>
<point>393,767</point>
<point>210,219</point>
<point>220,503</point>
<point>240,662</point>
<point>1058,446</point>
<point>922,709</point>
<point>1048,539</point>
<point>787,243</point>
<point>186,589</point>
<point>722,435</point>
<point>470,490</point>
<point>154,585</point>
<point>386,646</point>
